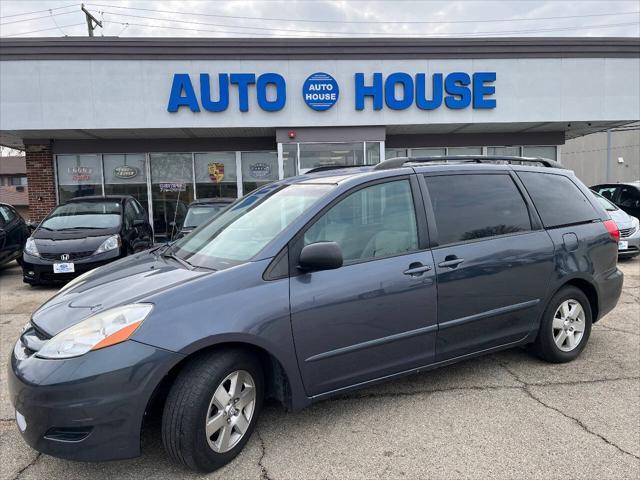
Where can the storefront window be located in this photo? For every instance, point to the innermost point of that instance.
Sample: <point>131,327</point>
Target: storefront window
<point>313,155</point>
<point>394,152</point>
<point>290,159</point>
<point>216,175</point>
<point>506,151</point>
<point>540,151</point>
<point>464,151</point>
<point>126,174</point>
<point>78,176</point>
<point>258,168</point>
<point>373,153</point>
<point>172,191</point>
<point>428,152</point>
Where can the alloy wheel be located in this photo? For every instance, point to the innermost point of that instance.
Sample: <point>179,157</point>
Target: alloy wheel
<point>568,325</point>
<point>230,411</point>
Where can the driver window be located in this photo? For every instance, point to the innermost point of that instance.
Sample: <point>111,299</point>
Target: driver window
<point>629,197</point>
<point>373,222</point>
<point>129,215</point>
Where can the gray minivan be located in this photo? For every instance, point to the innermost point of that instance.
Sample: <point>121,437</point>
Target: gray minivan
<point>309,287</point>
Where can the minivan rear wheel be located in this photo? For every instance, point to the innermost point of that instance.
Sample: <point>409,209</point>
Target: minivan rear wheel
<point>212,409</point>
<point>565,327</point>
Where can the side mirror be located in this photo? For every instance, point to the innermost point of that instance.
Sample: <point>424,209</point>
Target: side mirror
<point>320,256</point>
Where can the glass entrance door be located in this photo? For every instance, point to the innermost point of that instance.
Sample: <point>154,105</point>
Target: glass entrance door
<point>171,192</point>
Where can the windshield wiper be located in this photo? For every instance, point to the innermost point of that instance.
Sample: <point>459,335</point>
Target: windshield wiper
<point>79,228</point>
<point>183,262</point>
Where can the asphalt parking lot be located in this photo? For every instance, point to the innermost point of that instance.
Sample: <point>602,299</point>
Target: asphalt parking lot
<point>508,415</point>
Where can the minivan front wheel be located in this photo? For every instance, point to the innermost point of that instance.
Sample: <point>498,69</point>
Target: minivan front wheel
<point>212,409</point>
<point>565,327</point>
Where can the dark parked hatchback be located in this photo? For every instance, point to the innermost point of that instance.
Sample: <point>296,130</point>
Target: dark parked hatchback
<point>13,234</point>
<point>82,234</point>
<point>309,287</point>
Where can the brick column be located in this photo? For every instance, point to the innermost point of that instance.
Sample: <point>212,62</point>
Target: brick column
<point>41,180</point>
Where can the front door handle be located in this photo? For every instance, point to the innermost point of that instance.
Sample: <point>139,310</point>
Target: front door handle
<point>451,261</point>
<point>417,269</point>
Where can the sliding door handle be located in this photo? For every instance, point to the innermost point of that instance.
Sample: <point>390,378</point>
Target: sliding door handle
<point>451,262</point>
<point>417,270</point>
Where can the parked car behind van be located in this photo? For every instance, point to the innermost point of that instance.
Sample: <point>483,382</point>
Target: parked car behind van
<point>82,234</point>
<point>629,243</point>
<point>202,210</point>
<point>625,196</point>
<point>13,234</point>
<point>372,272</point>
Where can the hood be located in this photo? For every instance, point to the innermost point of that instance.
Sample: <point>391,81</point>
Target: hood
<point>622,218</point>
<point>129,280</point>
<point>84,241</point>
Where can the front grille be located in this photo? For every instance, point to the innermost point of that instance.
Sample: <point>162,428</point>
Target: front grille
<point>627,232</point>
<point>72,256</point>
<point>57,277</point>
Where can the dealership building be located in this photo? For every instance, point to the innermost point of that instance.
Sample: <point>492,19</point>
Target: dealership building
<point>170,120</point>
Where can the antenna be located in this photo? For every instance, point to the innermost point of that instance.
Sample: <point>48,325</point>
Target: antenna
<point>90,20</point>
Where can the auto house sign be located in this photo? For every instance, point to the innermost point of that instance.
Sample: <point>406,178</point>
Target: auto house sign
<point>125,172</point>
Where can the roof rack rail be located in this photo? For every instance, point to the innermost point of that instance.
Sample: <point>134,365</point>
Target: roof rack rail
<point>398,162</point>
<point>325,168</point>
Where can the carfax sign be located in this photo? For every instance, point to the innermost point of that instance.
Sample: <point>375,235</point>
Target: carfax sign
<point>320,91</point>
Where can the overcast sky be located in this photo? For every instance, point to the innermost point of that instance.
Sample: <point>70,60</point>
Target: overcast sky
<point>322,18</point>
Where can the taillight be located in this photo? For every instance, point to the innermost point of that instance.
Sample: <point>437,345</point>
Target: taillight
<point>612,228</point>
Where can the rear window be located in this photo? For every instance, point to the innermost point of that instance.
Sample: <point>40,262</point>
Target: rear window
<point>558,200</point>
<point>468,207</point>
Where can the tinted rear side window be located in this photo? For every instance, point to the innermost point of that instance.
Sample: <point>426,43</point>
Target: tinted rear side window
<point>558,200</point>
<point>469,207</point>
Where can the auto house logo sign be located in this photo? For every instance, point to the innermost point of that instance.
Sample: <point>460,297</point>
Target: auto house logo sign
<point>320,91</point>
<point>125,172</point>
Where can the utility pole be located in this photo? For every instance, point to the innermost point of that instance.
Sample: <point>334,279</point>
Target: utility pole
<point>90,20</point>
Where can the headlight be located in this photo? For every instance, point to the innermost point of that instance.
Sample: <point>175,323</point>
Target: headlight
<point>635,222</point>
<point>102,330</point>
<point>109,244</point>
<point>30,247</point>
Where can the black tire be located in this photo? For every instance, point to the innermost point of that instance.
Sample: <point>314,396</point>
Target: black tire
<point>186,408</point>
<point>545,346</point>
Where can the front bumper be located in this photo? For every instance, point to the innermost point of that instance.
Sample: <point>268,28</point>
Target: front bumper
<point>88,408</point>
<point>633,245</point>
<point>37,270</point>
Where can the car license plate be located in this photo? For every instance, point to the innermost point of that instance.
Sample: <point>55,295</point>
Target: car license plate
<point>623,245</point>
<point>65,267</point>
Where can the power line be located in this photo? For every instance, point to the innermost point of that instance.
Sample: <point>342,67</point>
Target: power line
<point>36,18</point>
<point>276,32</point>
<point>238,17</point>
<point>42,30</point>
<point>38,11</point>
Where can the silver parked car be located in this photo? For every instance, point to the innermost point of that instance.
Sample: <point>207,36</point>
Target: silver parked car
<point>629,243</point>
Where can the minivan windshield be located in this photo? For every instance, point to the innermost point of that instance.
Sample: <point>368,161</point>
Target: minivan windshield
<point>606,204</point>
<point>242,230</point>
<point>83,215</point>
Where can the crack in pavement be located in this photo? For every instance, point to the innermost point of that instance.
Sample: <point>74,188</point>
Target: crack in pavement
<point>264,474</point>
<point>526,387</point>
<point>607,327</point>
<point>26,467</point>
<point>579,423</point>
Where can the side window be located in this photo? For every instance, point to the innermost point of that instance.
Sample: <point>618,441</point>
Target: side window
<point>558,200</point>
<point>376,221</point>
<point>629,197</point>
<point>129,214</point>
<point>6,214</point>
<point>469,207</point>
<point>607,192</point>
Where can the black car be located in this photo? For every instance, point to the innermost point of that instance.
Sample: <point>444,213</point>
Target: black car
<point>82,234</point>
<point>626,196</point>
<point>202,210</point>
<point>13,234</point>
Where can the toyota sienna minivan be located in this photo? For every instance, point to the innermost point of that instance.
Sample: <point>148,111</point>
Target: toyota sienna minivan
<point>310,287</point>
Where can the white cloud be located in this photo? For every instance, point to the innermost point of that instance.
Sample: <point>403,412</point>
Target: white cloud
<point>478,18</point>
